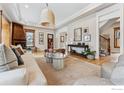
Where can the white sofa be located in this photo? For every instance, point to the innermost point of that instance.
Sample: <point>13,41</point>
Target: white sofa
<point>111,74</point>
<point>27,74</point>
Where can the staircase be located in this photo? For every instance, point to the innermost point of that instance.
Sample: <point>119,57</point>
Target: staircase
<point>104,45</point>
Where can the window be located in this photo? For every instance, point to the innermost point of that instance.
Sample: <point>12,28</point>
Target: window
<point>29,38</point>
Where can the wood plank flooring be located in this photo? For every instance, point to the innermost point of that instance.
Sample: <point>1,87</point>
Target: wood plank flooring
<point>101,60</point>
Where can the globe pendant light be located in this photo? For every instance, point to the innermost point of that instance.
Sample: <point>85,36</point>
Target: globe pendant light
<point>47,17</point>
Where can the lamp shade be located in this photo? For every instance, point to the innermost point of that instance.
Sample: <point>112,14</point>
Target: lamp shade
<point>47,17</point>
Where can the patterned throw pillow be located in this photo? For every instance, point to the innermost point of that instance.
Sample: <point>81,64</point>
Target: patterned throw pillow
<point>20,60</point>
<point>19,50</point>
<point>11,59</point>
<point>3,62</point>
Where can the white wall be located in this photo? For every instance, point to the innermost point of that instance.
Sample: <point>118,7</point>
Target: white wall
<point>37,30</point>
<point>5,13</point>
<point>89,21</point>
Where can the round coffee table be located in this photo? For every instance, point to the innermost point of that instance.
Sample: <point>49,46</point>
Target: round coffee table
<point>58,62</point>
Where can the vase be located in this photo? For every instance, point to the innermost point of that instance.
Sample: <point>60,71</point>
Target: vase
<point>91,56</point>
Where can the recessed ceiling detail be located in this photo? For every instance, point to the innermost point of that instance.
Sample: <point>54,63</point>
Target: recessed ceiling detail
<point>31,13</point>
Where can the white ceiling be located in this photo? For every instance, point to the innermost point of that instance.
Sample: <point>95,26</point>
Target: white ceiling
<point>32,14</point>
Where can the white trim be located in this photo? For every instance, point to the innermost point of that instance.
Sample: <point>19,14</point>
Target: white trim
<point>97,37</point>
<point>41,27</point>
<point>122,28</point>
<point>5,13</point>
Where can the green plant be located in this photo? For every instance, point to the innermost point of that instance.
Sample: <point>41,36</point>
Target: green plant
<point>88,52</point>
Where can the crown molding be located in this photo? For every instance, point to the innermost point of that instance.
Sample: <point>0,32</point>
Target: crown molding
<point>40,27</point>
<point>90,9</point>
<point>5,13</point>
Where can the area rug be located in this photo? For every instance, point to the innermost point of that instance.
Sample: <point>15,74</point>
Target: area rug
<point>74,69</point>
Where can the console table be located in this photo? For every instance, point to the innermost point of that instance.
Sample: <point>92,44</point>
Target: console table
<point>82,47</point>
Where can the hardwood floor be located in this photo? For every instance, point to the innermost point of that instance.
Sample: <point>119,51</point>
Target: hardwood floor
<point>75,67</point>
<point>101,60</point>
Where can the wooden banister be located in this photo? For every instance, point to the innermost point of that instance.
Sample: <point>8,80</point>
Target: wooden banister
<point>104,37</point>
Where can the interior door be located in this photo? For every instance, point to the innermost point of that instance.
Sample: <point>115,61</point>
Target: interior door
<point>50,41</point>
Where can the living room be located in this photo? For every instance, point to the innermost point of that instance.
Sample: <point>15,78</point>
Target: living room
<point>40,45</point>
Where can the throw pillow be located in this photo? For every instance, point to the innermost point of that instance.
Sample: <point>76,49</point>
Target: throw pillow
<point>13,46</point>
<point>11,59</point>
<point>3,62</point>
<point>20,60</point>
<point>19,50</point>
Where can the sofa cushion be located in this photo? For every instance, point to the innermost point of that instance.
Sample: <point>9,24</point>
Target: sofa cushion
<point>3,62</point>
<point>107,69</point>
<point>11,59</point>
<point>36,76</point>
<point>117,76</point>
<point>20,60</point>
<point>92,80</point>
<point>14,77</point>
<point>120,61</point>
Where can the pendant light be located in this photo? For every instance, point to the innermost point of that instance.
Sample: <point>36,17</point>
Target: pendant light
<point>47,17</point>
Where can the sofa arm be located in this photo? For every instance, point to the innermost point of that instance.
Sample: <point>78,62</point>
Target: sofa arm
<point>107,69</point>
<point>14,77</point>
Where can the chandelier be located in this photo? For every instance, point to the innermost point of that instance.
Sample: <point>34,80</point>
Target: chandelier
<point>47,17</point>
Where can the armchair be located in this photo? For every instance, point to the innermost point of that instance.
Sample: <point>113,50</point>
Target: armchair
<point>111,74</point>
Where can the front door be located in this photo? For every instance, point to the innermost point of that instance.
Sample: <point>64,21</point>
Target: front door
<point>50,41</point>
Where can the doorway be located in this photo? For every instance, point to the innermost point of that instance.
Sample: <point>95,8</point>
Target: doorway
<point>109,37</point>
<point>30,38</point>
<point>50,41</point>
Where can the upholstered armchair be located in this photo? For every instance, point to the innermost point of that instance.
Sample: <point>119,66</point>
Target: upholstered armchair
<point>111,74</point>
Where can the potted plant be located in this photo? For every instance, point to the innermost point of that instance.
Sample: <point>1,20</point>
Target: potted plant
<point>89,54</point>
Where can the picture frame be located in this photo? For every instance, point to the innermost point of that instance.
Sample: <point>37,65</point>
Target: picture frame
<point>0,20</point>
<point>78,34</point>
<point>50,36</point>
<point>61,38</point>
<point>117,37</point>
<point>41,38</point>
<point>87,38</point>
<point>86,30</point>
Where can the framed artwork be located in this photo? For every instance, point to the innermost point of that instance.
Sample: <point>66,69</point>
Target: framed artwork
<point>41,38</point>
<point>61,38</point>
<point>87,38</point>
<point>50,36</point>
<point>50,41</point>
<point>78,34</point>
<point>0,20</point>
<point>117,37</point>
<point>86,30</point>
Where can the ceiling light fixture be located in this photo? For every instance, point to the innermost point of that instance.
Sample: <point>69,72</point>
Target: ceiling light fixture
<point>26,6</point>
<point>47,17</point>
